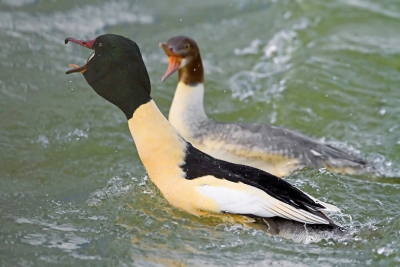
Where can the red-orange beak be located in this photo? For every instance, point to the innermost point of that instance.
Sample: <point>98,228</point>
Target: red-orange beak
<point>88,44</point>
<point>174,61</point>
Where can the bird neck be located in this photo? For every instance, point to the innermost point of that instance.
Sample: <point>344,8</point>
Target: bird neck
<point>160,147</point>
<point>187,109</point>
<point>129,94</point>
<point>192,73</point>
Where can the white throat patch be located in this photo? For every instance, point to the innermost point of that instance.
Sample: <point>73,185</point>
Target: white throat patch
<point>184,62</point>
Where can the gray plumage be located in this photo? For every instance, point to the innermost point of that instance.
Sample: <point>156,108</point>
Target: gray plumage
<point>280,141</point>
<point>274,149</point>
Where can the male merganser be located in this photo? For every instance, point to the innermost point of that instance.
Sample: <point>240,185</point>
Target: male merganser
<point>188,178</point>
<point>274,149</point>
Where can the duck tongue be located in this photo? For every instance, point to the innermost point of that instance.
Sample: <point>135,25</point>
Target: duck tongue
<point>174,61</point>
<point>173,64</point>
<point>76,68</point>
<point>88,44</point>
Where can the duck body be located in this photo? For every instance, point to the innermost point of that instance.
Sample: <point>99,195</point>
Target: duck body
<point>200,184</point>
<point>188,178</point>
<point>274,149</point>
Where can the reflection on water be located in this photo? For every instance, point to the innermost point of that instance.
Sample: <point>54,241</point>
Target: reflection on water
<point>73,190</point>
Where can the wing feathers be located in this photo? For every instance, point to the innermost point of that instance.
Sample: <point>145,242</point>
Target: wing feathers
<point>301,215</point>
<point>308,215</point>
<point>328,207</point>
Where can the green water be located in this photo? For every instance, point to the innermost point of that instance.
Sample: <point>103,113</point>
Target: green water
<point>73,190</point>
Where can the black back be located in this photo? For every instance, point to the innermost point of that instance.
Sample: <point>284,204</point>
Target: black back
<point>198,164</point>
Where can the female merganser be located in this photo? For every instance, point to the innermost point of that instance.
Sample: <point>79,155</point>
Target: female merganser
<point>274,149</point>
<point>188,178</point>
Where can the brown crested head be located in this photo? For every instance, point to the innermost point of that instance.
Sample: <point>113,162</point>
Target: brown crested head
<point>183,54</point>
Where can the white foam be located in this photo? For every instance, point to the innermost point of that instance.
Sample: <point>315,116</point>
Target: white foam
<point>276,56</point>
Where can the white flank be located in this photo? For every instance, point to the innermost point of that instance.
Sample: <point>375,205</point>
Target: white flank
<point>256,202</point>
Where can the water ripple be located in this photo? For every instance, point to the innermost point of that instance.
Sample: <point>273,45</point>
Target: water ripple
<point>84,21</point>
<point>277,54</point>
<point>375,7</point>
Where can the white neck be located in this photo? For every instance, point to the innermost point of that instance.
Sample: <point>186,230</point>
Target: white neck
<point>187,107</point>
<point>159,144</point>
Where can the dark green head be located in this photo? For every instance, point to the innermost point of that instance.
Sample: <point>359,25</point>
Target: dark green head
<point>116,71</point>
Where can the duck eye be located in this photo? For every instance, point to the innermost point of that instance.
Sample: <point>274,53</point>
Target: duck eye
<point>186,46</point>
<point>100,45</point>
